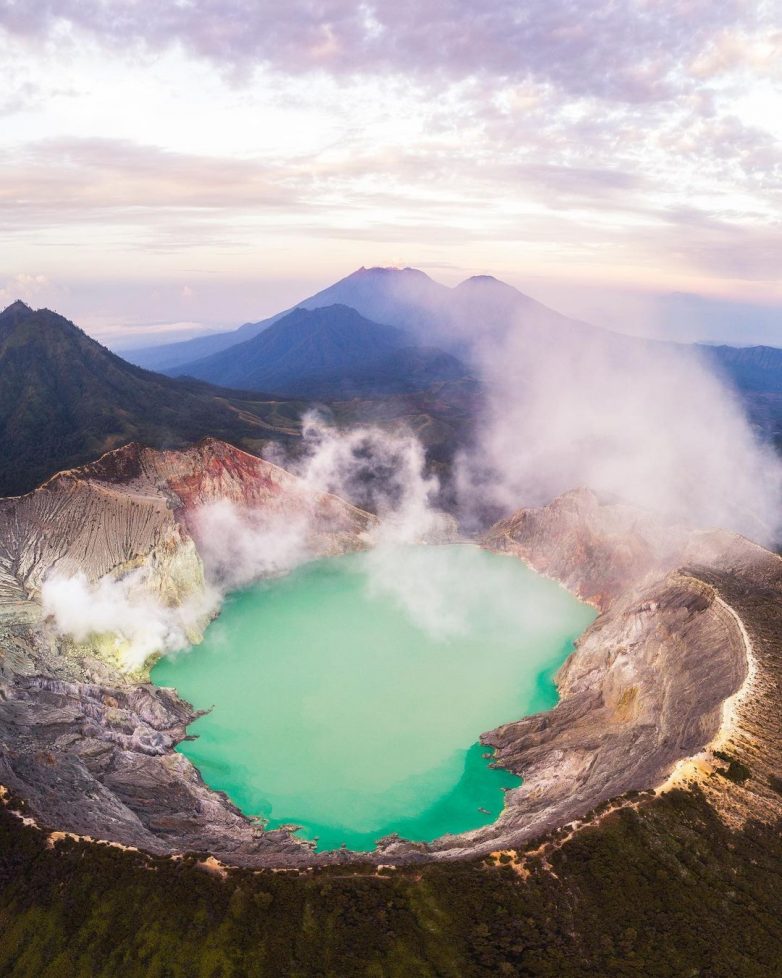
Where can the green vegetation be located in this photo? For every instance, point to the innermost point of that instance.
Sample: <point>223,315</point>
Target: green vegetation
<point>65,399</point>
<point>665,891</point>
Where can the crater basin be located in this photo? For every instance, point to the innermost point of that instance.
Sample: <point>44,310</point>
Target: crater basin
<point>347,697</point>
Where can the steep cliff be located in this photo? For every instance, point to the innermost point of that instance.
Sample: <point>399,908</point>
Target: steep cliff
<point>89,746</point>
<point>674,658</point>
<point>136,506</point>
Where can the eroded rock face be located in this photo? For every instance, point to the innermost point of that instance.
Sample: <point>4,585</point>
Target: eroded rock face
<point>648,682</point>
<point>644,688</point>
<point>598,551</point>
<point>93,753</point>
<point>90,748</point>
<point>136,505</point>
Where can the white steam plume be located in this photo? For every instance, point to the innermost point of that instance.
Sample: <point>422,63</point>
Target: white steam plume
<point>380,471</point>
<point>385,472</point>
<point>643,421</point>
<point>572,405</point>
<point>239,544</point>
<point>125,612</point>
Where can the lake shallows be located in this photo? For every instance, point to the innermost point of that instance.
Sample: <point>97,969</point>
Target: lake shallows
<point>348,696</point>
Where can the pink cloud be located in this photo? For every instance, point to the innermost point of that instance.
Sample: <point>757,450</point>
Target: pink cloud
<point>630,50</point>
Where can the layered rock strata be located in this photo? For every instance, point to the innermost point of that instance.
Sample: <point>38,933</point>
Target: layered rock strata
<point>90,748</point>
<point>92,751</point>
<point>685,655</point>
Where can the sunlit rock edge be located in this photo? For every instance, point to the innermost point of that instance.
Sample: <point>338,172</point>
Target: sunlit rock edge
<point>656,679</point>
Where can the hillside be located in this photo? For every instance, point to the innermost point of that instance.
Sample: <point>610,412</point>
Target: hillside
<point>65,399</point>
<point>751,368</point>
<point>325,353</point>
<point>756,374</point>
<point>402,297</point>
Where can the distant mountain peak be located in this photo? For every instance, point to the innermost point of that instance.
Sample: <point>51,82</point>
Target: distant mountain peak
<point>401,297</point>
<point>322,312</point>
<point>15,309</point>
<point>378,271</point>
<point>487,282</point>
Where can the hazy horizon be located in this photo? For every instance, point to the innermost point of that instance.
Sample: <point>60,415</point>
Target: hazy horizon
<point>174,169</point>
<point>680,317</point>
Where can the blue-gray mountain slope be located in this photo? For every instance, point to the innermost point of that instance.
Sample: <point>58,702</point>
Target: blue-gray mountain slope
<point>326,352</point>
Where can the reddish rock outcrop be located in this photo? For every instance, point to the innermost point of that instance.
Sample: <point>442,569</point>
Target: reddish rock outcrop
<point>645,688</point>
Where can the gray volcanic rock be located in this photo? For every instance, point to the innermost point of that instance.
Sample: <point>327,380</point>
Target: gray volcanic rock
<point>88,746</point>
<point>647,682</point>
<point>136,505</point>
<point>644,688</point>
<point>92,751</point>
<point>596,550</point>
<point>98,761</point>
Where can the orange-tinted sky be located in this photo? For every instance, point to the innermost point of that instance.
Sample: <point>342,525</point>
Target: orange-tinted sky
<point>183,165</point>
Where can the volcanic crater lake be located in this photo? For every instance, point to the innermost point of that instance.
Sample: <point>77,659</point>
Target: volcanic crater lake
<point>348,696</point>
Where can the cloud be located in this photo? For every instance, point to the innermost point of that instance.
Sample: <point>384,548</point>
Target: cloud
<point>629,51</point>
<point>725,248</point>
<point>640,421</point>
<point>94,177</point>
<point>125,613</point>
<point>522,139</point>
<point>239,545</point>
<point>19,96</point>
<point>24,286</point>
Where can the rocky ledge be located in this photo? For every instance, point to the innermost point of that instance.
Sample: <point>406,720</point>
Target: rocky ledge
<point>87,746</point>
<point>91,750</point>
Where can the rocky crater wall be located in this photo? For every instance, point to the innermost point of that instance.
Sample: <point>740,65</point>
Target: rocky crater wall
<point>92,751</point>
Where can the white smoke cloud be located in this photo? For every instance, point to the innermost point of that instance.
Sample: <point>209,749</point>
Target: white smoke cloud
<point>124,612</point>
<point>379,471</point>
<point>428,584</point>
<point>238,544</point>
<point>643,421</point>
<point>385,473</point>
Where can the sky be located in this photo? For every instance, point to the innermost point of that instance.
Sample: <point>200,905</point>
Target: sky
<point>168,168</point>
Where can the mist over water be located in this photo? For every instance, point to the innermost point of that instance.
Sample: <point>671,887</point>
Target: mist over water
<point>565,405</point>
<point>345,707</point>
<point>238,544</point>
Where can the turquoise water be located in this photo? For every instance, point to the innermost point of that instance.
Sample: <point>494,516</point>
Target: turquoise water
<point>348,697</point>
